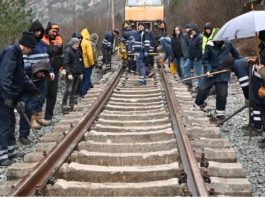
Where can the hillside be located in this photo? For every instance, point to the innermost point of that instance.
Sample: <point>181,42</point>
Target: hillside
<point>95,14</point>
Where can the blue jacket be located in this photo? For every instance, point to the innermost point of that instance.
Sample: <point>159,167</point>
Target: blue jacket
<point>166,45</point>
<point>13,80</point>
<point>108,41</point>
<point>128,35</point>
<point>142,42</point>
<point>153,41</point>
<point>39,53</point>
<point>214,59</point>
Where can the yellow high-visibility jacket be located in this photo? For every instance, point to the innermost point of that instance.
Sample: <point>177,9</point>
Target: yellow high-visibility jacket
<point>87,49</point>
<point>205,39</point>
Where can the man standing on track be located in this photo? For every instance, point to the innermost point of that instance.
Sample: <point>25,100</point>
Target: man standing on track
<point>55,50</point>
<point>141,48</point>
<point>107,46</point>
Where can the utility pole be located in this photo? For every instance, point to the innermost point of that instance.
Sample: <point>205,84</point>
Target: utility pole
<point>113,15</point>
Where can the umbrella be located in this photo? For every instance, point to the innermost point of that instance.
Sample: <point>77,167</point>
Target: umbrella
<point>243,26</point>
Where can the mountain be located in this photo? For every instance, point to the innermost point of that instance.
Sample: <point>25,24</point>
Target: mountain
<point>73,11</point>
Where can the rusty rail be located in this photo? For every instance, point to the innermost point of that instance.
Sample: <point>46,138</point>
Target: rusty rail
<point>38,177</point>
<point>194,179</point>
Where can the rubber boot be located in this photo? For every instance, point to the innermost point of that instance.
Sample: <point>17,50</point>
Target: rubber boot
<point>42,121</point>
<point>34,123</point>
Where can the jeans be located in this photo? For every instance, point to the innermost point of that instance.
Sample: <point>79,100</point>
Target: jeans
<point>86,83</point>
<point>184,67</point>
<point>141,67</point>
<point>197,64</point>
<point>221,93</point>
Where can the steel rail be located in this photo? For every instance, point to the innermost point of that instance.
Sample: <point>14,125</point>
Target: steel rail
<point>38,177</point>
<point>195,181</point>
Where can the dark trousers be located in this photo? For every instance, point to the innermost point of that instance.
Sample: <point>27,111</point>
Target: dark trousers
<point>258,116</point>
<point>70,89</point>
<point>241,70</point>
<point>221,93</point>
<point>30,107</point>
<point>51,96</point>
<point>106,56</point>
<point>132,65</point>
<point>7,132</point>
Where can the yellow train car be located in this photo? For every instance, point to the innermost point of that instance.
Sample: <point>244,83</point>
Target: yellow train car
<point>150,12</point>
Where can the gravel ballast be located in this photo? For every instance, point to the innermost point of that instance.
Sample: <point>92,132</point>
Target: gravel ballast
<point>249,155</point>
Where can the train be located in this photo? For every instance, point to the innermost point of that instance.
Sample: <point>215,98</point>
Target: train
<point>149,12</point>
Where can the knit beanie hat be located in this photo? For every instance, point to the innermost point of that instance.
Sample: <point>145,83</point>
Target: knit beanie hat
<point>28,39</point>
<point>262,35</point>
<point>73,41</point>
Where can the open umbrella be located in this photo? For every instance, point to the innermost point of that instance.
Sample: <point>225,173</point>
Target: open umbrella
<point>242,26</point>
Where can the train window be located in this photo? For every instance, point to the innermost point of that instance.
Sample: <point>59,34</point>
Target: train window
<point>144,2</point>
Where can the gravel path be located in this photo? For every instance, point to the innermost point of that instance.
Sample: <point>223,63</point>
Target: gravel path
<point>249,155</point>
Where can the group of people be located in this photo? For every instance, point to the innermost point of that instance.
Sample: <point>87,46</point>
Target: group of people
<point>29,78</point>
<point>140,45</point>
<point>193,50</point>
<point>216,59</point>
<point>31,70</point>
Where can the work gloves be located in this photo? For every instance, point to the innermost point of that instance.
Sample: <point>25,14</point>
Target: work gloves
<point>70,77</point>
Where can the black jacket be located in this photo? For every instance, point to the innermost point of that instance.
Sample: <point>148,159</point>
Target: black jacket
<point>73,62</point>
<point>13,80</point>
<point>183,41</point>
<point>36,25</point>
<point>215,59</point>
<point>195,47</point>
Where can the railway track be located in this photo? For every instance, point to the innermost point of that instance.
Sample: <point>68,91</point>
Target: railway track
<point>146,141</point>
